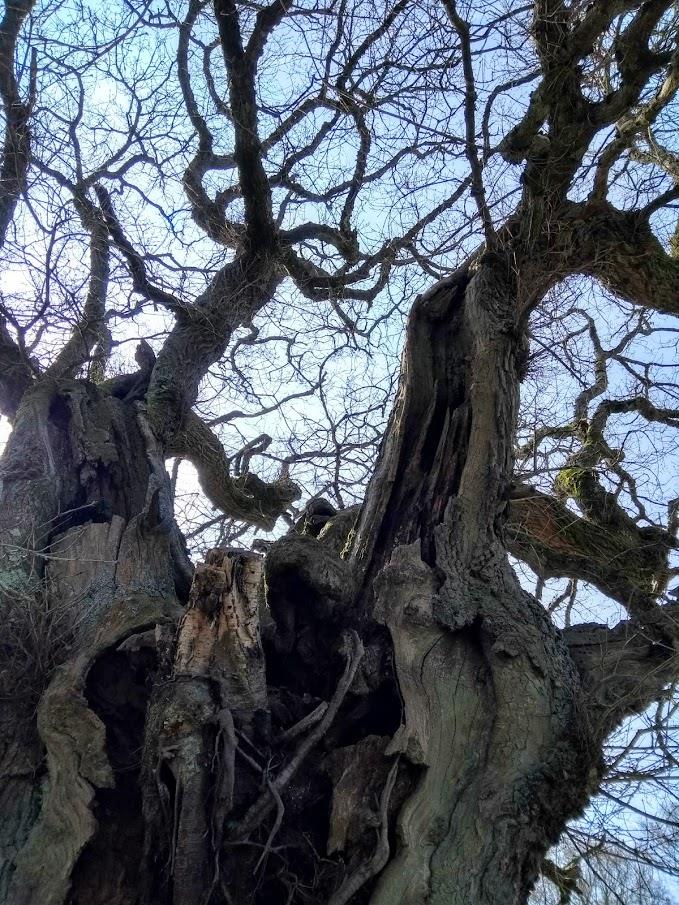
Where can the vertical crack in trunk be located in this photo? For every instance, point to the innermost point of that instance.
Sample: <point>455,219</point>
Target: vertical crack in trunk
<point>490,693</point>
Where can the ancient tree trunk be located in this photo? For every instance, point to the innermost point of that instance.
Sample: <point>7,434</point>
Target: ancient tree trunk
<point>89,569</point>
<point>490,695</point>
<point>374,712</point>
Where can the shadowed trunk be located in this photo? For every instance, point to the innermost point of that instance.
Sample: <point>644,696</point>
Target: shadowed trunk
<point>491,697</point>
<point>89,567</point>
<point>397,724</point>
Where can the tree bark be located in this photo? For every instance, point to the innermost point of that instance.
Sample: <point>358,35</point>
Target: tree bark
<point>491,696</point>
<point>90,564</point>
<point>376,712</point>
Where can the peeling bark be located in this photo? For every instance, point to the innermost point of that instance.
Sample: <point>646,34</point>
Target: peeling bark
<point>216,690</point>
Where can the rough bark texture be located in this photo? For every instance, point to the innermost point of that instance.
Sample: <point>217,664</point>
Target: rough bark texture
<point>628,563</point>
<point>374,712</point>
<point>87,541</point>
<point>491,696</point>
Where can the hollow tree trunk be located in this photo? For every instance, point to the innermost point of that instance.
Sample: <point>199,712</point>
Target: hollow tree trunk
<point>89,565</point>
<point>491,696</point>
<point>399,725</point>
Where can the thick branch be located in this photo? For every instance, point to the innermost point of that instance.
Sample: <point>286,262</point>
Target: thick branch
<point>247,497</point>
<point>635,125</point>
<point>208,214</point>
<point>135,261</point>
<point>619,249</point>
<point>629,564</point>
<point>559,101</point>
<point>623,668</point>
<point>200,337</point>
<point>90,329</point>
<point>242,69</point>
<point>267,19</point>
<point>16,372</point>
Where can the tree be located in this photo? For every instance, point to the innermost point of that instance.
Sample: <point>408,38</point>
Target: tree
<point>375,710</point>
<point>603,881</point>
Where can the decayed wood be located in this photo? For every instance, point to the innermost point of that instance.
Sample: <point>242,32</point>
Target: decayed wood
<point>357,773</point>
<point>78,765</point>
<point>492,702</point>
<point>73,492</point>
<point>486,696</point>
<point>445,698</point>
<point>82,569</point>
<point>220,635</point>
<point>380,856</point>
<point>354,651</point>
<point>489,705</point>
<point>490,693</point>
<point>217,688</point>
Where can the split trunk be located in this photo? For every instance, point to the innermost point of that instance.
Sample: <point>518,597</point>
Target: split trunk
<point>375,712</point>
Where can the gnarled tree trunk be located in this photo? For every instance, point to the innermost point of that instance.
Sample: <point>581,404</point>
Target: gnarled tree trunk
<point>492,701</point>
<point>89,569</point>
<point>375,712</point>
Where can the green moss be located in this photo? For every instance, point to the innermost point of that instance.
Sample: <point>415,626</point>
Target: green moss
<point>345,552</point>
<point>571,482</point>
<point>674,243</point>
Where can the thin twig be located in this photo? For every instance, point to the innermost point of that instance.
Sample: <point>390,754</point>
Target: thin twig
<point>280,810</point>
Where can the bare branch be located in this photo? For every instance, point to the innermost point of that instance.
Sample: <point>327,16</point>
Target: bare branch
<point>241,67</point>
<point>477,189</point>
<point>245,497</point>
<point>16,152</point>
<point>91,328</point>
<point>627,563</point>
<point>620,249</point>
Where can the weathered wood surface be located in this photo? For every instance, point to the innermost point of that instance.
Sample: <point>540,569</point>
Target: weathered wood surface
<point>216,688</point>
